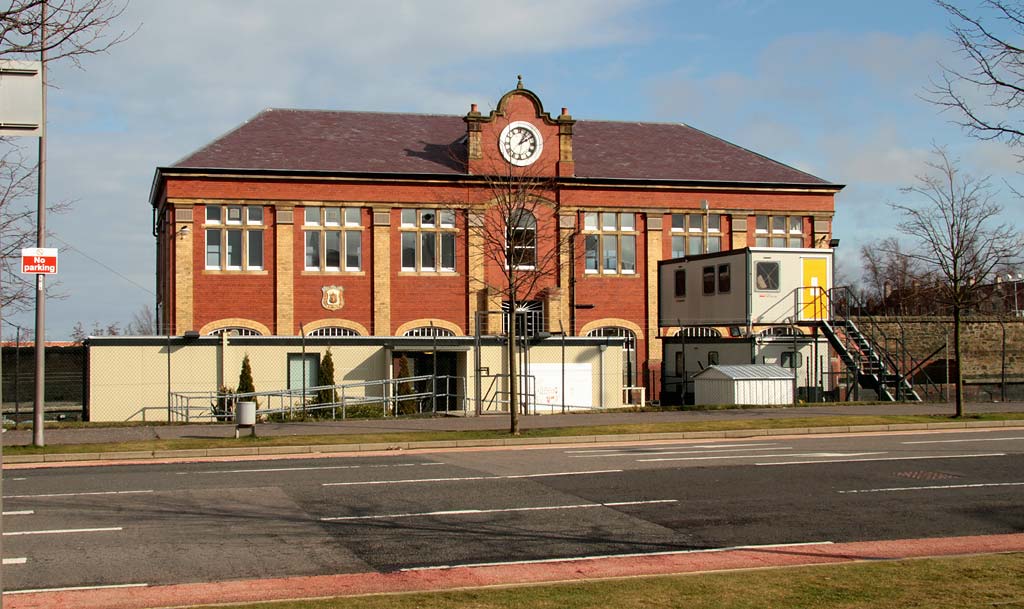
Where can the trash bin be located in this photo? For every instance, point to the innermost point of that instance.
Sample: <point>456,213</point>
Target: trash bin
<point>245,416</point>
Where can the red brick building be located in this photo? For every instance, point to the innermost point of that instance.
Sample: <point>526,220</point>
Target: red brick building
<point>362,223</point>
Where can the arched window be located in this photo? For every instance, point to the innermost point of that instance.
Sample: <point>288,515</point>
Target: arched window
<point>628,350</point>
<point>530,315</point>
<point>698,332</point>
<point>522,240</point>
<point>235,331</point>
<point>333,331</point>
<point>780,331</point>
<point>430,331</point>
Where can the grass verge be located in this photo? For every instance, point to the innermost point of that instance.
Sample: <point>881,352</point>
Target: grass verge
<point>940,583</point>
<point>554,432</point>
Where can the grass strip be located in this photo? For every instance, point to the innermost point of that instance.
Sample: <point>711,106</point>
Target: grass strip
<point>552,432</point>
<point>937,583</point>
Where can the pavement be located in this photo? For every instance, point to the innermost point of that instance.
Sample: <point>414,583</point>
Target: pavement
<point>93,435</point>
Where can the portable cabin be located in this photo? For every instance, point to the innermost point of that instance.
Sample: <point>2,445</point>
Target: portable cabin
<point>740,307</point>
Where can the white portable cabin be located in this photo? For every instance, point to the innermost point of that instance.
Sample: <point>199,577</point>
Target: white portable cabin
<point>741,307</point>
<point>751,286</point>
<point>753,384</point>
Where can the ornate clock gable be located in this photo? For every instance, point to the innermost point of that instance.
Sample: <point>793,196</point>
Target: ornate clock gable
<point>519,136</point>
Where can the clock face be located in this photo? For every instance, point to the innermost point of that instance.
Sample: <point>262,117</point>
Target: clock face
<point>520,143</point>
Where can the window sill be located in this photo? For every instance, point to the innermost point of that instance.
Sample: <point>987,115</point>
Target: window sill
<point>235,272</point>
<point>310,272</point>
<point>412,273</point>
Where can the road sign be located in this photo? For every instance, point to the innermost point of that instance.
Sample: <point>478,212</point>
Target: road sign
<point>39,260</point>
<point>21,98</point>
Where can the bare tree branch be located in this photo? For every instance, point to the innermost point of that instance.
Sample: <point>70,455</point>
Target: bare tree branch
<point>73,28</point>
<point>956,226</point>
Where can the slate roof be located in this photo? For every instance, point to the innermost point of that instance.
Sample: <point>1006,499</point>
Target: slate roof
<point>377,142</point>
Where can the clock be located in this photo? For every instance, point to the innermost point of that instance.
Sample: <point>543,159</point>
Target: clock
<point>520,143</point>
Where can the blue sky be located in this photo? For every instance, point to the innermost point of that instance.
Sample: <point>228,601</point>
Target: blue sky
<point>829,87</point>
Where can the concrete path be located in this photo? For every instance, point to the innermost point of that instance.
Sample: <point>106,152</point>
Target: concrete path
<point>93,435</point>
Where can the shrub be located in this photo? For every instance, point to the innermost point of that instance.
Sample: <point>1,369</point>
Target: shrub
<point>223,407</point>
<point>326,377</point>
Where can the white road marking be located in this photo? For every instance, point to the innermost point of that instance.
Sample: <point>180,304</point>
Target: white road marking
<point>468,478</point>
<point>15,561</point>
<point>75,494</point>
<point>760,456</point>
<point>71,588</point>
<point>671,447</point>
<point>631,555</point>
<point>963,440</point>
<point>20,513</point>
<point>930,488</point>
<point>886,459</point>
<point>15,479</point>
<point>498,510</point>
<point>62,531</point>
<point>677,452</point>
<point>304,469</point>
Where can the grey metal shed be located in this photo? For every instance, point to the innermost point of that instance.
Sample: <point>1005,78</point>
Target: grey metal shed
<point>757,384</point>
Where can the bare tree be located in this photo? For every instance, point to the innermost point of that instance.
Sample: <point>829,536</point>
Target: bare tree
<point>521,246</point>
<point>143,322</point>
<point>894,283</point>
<point>990,88</point>
<point>960,236</point>
<point>73,28</point>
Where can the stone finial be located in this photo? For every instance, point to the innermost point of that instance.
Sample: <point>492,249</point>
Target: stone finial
<point>519,85</point>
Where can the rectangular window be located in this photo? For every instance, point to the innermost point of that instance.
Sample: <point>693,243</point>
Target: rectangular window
<point>239,248</point>
<point>255,238</point>
<point>791,359</point>
<point>611,248</point>
<point>724,279</point>
<point>779,231</point>
<point>312,251</point>
<point>447,250</point>
<point>678,247</point>
<point>353,250</point>
<point>332,216</point>
<point>680,283</point>
<point>709,280</point>
<point>408,251</point>
<point>332,250</point>
<point>212,248</point>
<point>712,358</point>
<point>328,248</point>
<point>234,261</point>
<point>428,240</point>
<point>703,234</point>
<point>428,251</point>
<point>766,276</point>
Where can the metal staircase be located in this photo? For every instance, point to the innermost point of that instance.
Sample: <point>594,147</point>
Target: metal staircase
<point>872,366</point>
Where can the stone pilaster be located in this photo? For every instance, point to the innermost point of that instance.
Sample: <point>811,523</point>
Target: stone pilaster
<point>655,236</point>
<point>382,272</point>
<point>284,270</point>
<point>475,286</point>
<point>185,230</point>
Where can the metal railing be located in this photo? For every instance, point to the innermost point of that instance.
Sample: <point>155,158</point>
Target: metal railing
<point>384,398</point>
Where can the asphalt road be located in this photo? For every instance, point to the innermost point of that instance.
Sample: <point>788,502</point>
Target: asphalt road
<point>200,522</point>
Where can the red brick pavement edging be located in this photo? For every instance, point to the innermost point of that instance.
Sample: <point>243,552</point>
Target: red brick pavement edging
<point>511,574</point>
